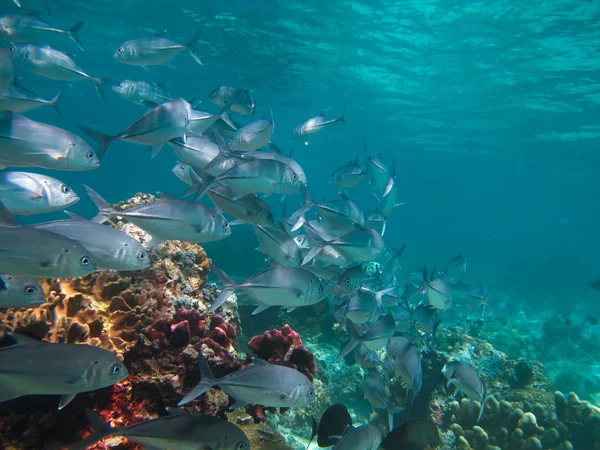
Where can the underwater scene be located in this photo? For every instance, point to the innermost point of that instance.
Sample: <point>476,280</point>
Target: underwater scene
<point>295,225</point>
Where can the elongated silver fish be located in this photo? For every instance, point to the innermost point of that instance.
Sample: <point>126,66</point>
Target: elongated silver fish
<point>142,92</point>
<point>28,193</point>
<point>155,50</point>
<point>30,29</point>
<point>287,287</point>
<point>183,172</point>
<point>253,136</point>
<point>31,367</point>
<point>466,380</point>
<point>50,63</point>
<point>260,384</point>
<point>341,216</point>
<point>157,127</point>
<point>407,363</point>
<point>180,430</point>
<point>195,151</point>
<point>276,156</point>
<point>111,249</point>
<point>239,100</point>
<point>316,125</point>
<point>373,338</point>
<point>347,176</point>
<point>279,246</point>
<point>168,219</point>
<point>18,291</point>
<point>376,394</point>
<point>350,280</point>
<point>364,305</point>
<point>248,208</point>
<point>7,70</point>
<point>26,143</point>
<point>18,99</point>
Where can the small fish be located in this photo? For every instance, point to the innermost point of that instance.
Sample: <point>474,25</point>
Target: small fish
<point>26,143</point>
<point>455,266</point>
<point>195,151</point>
<point>26,193</point>
<point>365,437</point>
<point>32,367</point>
<point>316,125</point>
<point>466,380</point>
<point>168,219</point>
<point>7,70</point>
<point>183,172</point>
<point>157,127</point>
<point>375,337</point>
<point>18,291</point>
<point>379,172</point>
<point>28,28</point>
<point>364,305</point>
<point>377,221</point>
<point>297,168</point>
<point>476,297</point>
<point>156,50</point>
<point>53,64</point>
<point>418,434</point>
<point>367,359</point>
<point>179,430</point>
<point>351,279</point>
<point>18,99</point>
<point>142,92</point>
<point>376,394</point>
<point>278,245</point>
<point>259,384</point>
<point>247,208</point>
<point>439,294</point>
<point>253,136</point>
<point>111,249</point>
<point>239,99</point>
<point>287,287</point>
<point>407,364</point>
<point>341,216</point>
<point>336,421</point>
<point>428,319</point>
<point>347,176</point>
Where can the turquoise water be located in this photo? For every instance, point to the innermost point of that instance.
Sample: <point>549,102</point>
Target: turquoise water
<point>490,109</point>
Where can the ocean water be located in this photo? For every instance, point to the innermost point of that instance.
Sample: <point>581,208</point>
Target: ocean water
<point>490,109</point>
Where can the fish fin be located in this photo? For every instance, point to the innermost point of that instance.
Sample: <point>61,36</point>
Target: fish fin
<point>104,140</point>
<point>342,118</point>
<point>315,428</point>
<point>354,340</point>
<point>290,309</point>
<point>389,187</point>
<point>383,229</point>
<point>76,217</point>
<point>22,339</point>
<point>6,218</point>
<point>260,362</point>
<point>177,411</point>
<point>72,33</point>
<point>149,103</point>
<point>154,150</point>
<point>17,2</point>
<point>311,254</point>
<point>192,46</point>
<point>260,308</point>
<point>145,68</point>
<point>207,381</point>
<point>54,103</point>
<point>226,292</point>
<point>105,209</point>
<point>101,430</point>
<point>65,400</point>
<point>99,84</point>
<point>202,181</point>
<point>237,222</point>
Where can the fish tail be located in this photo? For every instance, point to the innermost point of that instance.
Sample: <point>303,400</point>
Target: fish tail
<point>342,118</point>
<point>54,103</point>
<point>202,181</point>
<point>308,204</point>
<point>101,430</point>
<point>207,381</point>
<point>105,209</point>
<point>354,340</point>
<point>104,140</point>
<point>224,115</point>
<point>228,288</point>
<point>483,402</point>
<point>391,413</point>
<point>72,33</point>
<point>99,84</point>
<point>191,46</point>
<point>17,2</point>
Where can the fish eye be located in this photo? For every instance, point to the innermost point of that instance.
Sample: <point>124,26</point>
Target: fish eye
<point>225,224</point>
<point>347,280</point>
<point>141,256</point>
<point>89,155</point>
<point>241,445</point>
<point>213,93</point>
<point>115,369</point>
<point>85,260</point>
<point>120,51</point>
<point>269,217</point>
<point>65,189</point>
<point>29,290</point>
<point>311,392</point>
<point>292,133</point>
<point>321,289</point>
<point>294,176</point>
<point>12,49</point>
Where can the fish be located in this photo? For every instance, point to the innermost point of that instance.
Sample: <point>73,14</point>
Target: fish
<point>476,297</point>
<point>347,176</point>
<point>168,219</point>
<point>143,92</point>
<point>373,338</point>
<point>111,249</point>
<point>341,216</point>
<point>364,304</point>
<point>195,151</point>
<point>32,367</point>
<point>439,294</point>
<point>407,365</point>
<point>39,253</point>
<point>465,379</point>
<point>53,64</point>
<point>297,168</point>
<point>387,203</point>
<point>31,28</point>
<point>368,359</point>
<point>183,172</point>
<point>278,245</point>
<point>365,437</point>
<point>287,287</point>
<point>376,394</point>
<point>350,280</point>
<point>239,100</point>
<point>18,99</point>
<point>428,319</point>
<point>315,125</point>
<point>253,136</point>
<point>455,266</point>
<point>19,291</point>
<point>247,208</point>
<point>155,50</point>
<point>261,383</point>
<point>202,121</point>
<point>379,172</point>
<point>335,421</point>
<point>27,193</point>
<point>418,434</point>
<point>157,127</point>
<point>7,70</point>
<point>27,143</point>
<point>179,430</point>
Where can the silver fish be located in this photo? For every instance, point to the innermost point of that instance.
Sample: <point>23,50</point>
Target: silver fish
<point>18,99</point>
<point>28,28</point>
<point>168,219</point>
<point>376,394</point>
<point>341,216</point>
<point>364,304</point>
<point>202,121</point>
<point>50,63</point>
<point>38,253</point>
<point>278,245</point>
<point>153,51</point>
<point>366,437</point>
<point>239,99</point>
<point>454,267</point>
<point>387,203</point>
<point>379,172</point>
<point>111,249</point>
<point>428,319</point>
<point>28,193</point>
<point>183,172</point>
<point>179,430</point>
<point>350,280</point>
<point>476,297</point>
<point>142,92</point>
<point>259,384</point>
<point>247,208</point>
<point>466,380</point>
<point>287,287</point>
<point>314,126</point>
<point>157,127</point>
<point>297,168</point>
<point>407,364</point>
<point>377,221</point>
<point>439,294</point>
<point>373,338</point>
<point>253,136</point>
<point>195,151</point>
<point>26,143</point>
<point>32,367</point>
<point>347,176</point>
<point>18,291</point>
<point>7,70</point>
